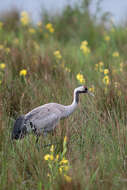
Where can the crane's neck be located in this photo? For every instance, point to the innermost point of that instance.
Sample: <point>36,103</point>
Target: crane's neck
<point>71,108</point>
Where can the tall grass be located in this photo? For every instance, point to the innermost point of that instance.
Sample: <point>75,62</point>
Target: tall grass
<point>96,132</point>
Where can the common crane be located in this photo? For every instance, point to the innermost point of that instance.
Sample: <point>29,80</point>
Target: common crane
<point>45,118</point>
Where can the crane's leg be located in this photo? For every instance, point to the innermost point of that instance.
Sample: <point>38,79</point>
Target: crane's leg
<point>34,129</point>
<point>37,138</point>
<point>47,145</point>
<point>37,145</point>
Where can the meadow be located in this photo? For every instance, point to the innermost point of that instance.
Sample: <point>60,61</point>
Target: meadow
<point>45,62</point>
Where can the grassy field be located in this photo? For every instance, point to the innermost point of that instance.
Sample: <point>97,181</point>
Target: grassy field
<point>44,63</point>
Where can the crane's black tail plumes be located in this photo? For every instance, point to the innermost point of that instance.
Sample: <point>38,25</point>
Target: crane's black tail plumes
<point>19,129</point>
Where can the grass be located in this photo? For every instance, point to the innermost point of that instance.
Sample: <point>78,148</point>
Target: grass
<point>96,132</point>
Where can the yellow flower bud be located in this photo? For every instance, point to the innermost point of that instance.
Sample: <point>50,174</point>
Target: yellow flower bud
<point>23,72</point>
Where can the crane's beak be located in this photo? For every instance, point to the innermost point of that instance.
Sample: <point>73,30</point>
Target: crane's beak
<point>90,93</point>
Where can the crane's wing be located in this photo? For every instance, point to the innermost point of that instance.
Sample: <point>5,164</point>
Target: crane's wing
<point>44,118</point>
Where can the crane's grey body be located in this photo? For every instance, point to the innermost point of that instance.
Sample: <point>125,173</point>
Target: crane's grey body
<point>45,118</point>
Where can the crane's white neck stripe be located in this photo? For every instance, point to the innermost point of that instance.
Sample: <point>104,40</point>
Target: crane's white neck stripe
<point>71,108</point>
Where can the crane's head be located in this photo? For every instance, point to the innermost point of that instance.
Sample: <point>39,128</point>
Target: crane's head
<point>19,130</point>
<point>83,89</point>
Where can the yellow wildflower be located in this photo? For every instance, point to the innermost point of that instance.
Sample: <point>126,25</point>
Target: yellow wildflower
<point>116,84</point>
<point>49,27</point>
<point>51,30</point>
<point>23,72</point>
<point>57,157</point>
<point>92,88</point>
<point>31,30</point>
<point>100,66</point>
<point>121,66</point>
<point>84,47</point>
<point>60,170</point>
<point>24,14</point>
<point>63,169</point>
<point>47,157</point>
<point>1,25</point>
<point>85,50</point>
<point>106,80</point>
<point>106,71</point>
<point>2,65</point>
<point>115,54</point>
<point>68,178</point>
<point>48,175</point>
<point>52,148</point>
<point>24,18</point>
<point>84,43</point>
<point>63,161</point>
<point>80,78</point>
<point>57,54</point>
<point>65,139</point>
<point>107,38</point>
<point>0,82</point>
<point>101,63</point>
<point>51,157</point>
<point>67,69</point>
<point>66,168</point>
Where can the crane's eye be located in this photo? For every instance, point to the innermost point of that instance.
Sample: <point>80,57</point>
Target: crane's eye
<point>85,89</point>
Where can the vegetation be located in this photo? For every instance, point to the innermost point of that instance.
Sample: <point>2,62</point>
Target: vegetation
<point>44,63</point>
